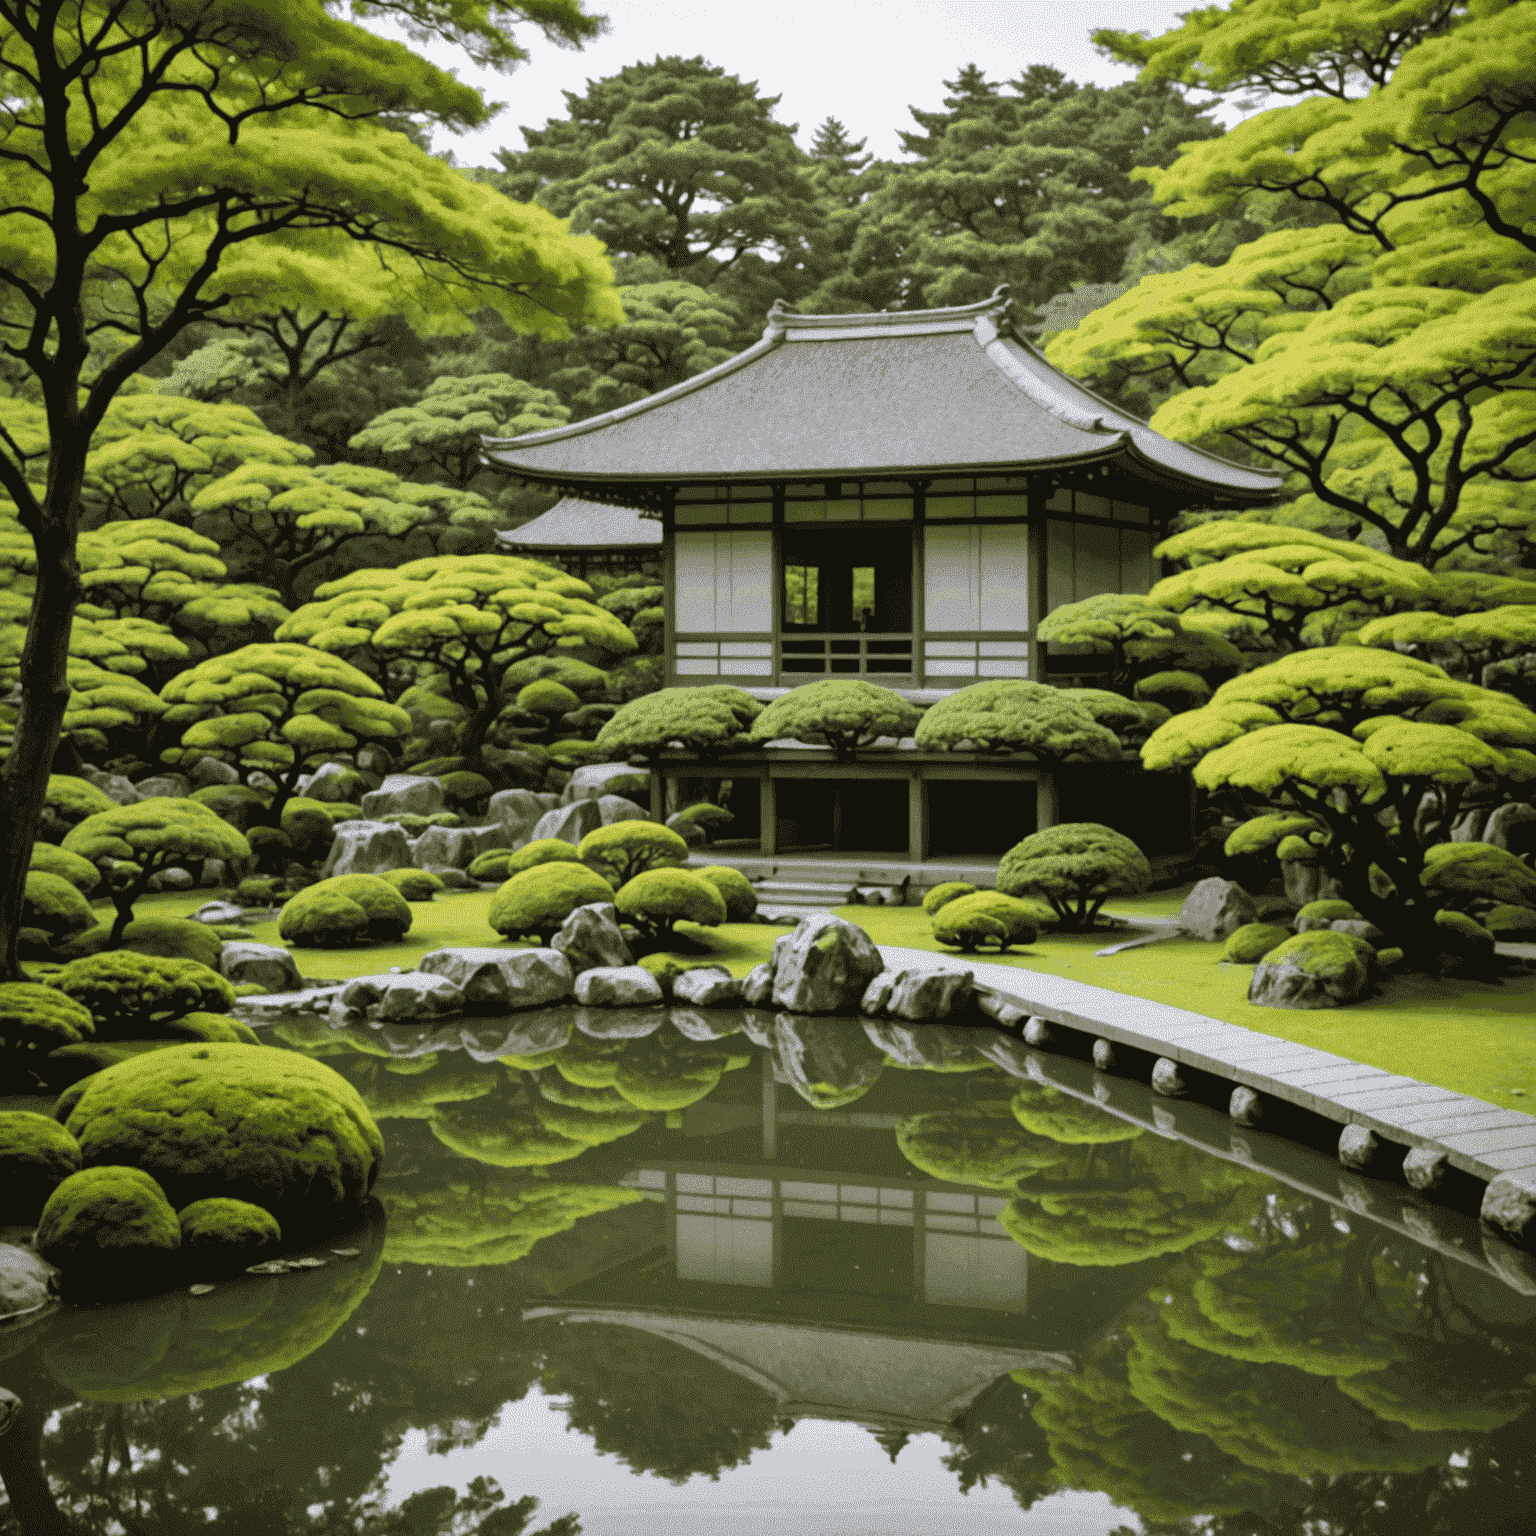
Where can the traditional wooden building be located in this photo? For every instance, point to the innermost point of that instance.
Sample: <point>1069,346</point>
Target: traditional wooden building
<point>589,538</point>
<point>901,496</point>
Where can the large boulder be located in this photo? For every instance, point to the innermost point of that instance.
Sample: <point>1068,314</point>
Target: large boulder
<point>824,966</point>
<point>1512,827</point>
<point>113,785</point>
<point>1215,909</point>
<point>333,784</point>
<point>705,986</point>
<point>457,847</point>
<point>591,937</point>
<point>367,848</point>
<point>208,771</point>
<point>164,786</point>
<point>617,986</point>
<point>219,913</point>
<point>499,980</point>
<point>275,1128</point>
<point>518,811</point>
<point>399,997</point>
<point>918,993</point>
<point>289,1007</point>
<point>596,780</point>
<point>614,808</point>
<point>28,1284</point>
<point>110,1227</point>
<point>36,1155</point>
<point>406,794</point>
<point>570,823</point>
<point>1320,969</point>
<point>267,966</point>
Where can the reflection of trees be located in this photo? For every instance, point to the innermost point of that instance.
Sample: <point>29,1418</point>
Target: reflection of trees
<point>981,1145</point>
<point>998,1438</point>
<point>658,1406</point>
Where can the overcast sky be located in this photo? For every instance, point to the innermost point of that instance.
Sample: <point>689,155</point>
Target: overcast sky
<point>863,61</point>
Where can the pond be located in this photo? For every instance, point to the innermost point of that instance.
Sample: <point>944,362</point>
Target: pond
<point>736,1274</point>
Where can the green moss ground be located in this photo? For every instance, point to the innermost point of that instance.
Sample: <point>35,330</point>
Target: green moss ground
<point>1475,1038</point>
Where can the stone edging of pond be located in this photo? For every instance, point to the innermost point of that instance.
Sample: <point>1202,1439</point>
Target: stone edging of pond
<point>1434,1139</point>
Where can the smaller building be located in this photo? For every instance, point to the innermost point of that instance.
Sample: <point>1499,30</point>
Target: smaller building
<point>589,538</point>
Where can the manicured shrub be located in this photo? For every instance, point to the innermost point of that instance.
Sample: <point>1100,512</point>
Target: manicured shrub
<point>466,789</point>
<point>575,752</point>
<point>346,909</point>
<point>1176,689</point>
<point>656,901</point>
<point>34,1020</point>
<point>258,890</point>
<point>738,893</point>
<point>67,802</point>
<point>36,1155</point>
<point>536,901</point>
<point>708,817</point>
<point>414,884</point>
<point>220,1236</point>
<point>547,697</point>
<point>1325,912</point>
<point>271,1127</point>
<point>628,848</point>
<point>130,995</point>
<point>947,891</point>
<point>491,865</point>
<point>1076,867</point>
<point>238,804</point>
<point>704,720</point>
<point>52,911</point>
<point>1016,717</point>
<point>111,1230</point>
<point>986,918</point>
<point>309,828</point>
<point>842,713</point>
<point>1250,943</point>
<point>48,859</point>
<point>1511,925</point>
<point>543,850</point>
<point>173,938</point>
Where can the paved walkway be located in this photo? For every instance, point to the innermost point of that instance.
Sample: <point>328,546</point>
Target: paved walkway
<point>1479,1138</point>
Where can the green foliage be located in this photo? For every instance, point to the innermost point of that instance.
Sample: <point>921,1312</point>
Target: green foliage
<point>69,801</point>
<point>49,860</point>
<point>131,995</point>
<point>109,1229</point>
<point>542,850</point>
<point>1253,942</point>
<point>946,890</point>
<point>36,1155</point>
<point>844,714</point>
<point>703,720</point>
<point>706,815</point>
<point>736,891</point>
<point>627,848</point>
<point>34,1020</point>
<point>345,910</point>
<point>547,697</point>
<point>1511,924</point>
<point>266,1126</point>
<point>53,911</point>
<point>988,917</point>
<point>981,1145</point>
<point>1046,1111</point>
<point>414,884</point>
<point>1326,911</point>
<point>537,900</point>
<point>661,898</point>
<point>1016,717</point>
<point>1076,867</point>
<point>220,1236</point>
<point>1457,874</point>
<point>174,938</point>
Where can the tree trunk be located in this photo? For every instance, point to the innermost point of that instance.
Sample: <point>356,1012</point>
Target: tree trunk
<point>44,693</point>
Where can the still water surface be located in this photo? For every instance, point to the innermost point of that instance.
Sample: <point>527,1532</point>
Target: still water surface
<point>786,1280</point>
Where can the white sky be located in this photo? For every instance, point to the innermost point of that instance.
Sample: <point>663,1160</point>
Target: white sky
<point>863,61</point>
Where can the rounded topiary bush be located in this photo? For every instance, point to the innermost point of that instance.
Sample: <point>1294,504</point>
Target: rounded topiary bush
<point>1510,924</point>
<point>986,918</point>
<point>34,1020</point>
<point>414,884</point>
<point>267,1126</point>
<point>110,1229</point>
<point>949,890</point>
<point>490,865</point>
<point>536,901</point>
<point>221,1236</point>
<point>1250,943</point>
<point>627,848</point>
<point>131,995</point>
<point>258,891</point>
<point>171,938</point>
<point>346,909</point>
<point>656,901</point>
<point>36,1155</point>
<point>1318,914</point>
<point>53,911</point>
<point>543,850</point>
<point>1076,867</point>
<point>48,859</point>
<point>708,817</point>
<point>736,891</point>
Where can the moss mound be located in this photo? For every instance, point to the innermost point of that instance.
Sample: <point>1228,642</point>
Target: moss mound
<point>129,995</point>
<point>221,1236</point>
<point>49,859</point>
<point>543,850</point>
<point>1047,1111</point>
<point>344,910</point>
<point>1511,925</point>
<point>657,900</point>
<point>266,1126</point>
<point>947,891</point>
<point>1250,943</point>
<point>34,1020</point>
<point>736,891</point>
<point>537,900</point>
<point>988,918</point>
<point>53,911</point>
<point>109,1228</point>
<point>414,884</point>
<point>36,1155</point>
<point>170,938</point>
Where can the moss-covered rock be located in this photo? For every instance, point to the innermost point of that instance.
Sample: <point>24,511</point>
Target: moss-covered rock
<point>666,968</point>
<point>109,1229</point>
<point>414,884</point>
<point>989,918</point>
<point>1250,943</point>
<point>128,994</point>
<point>1466,947</point>
<point>1318,914</point>
<point>220,1236</point>
<point>34,1020</point>
<point>1318,969</point>
<point>172,938</point>
<point>271,1127</point>
<point>345,910</point>
<point>736,891</point>
<point>707,816</point>
<point>948,890</point>
<point>661,898</point>
<point>258,890</point>
<point>36,1155</point>
<point>214,1027</point>
<point>53,911</point>
<point>537,901</point>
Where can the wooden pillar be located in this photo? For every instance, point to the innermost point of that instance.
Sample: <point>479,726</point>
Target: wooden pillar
<point>917,818</point>
<point>1047,801</point>
<point>658,795</point>
<point>768,813</point>
<point>1035,555</point>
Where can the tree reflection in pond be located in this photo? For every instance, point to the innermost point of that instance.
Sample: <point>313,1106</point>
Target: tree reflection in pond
<point>1244,1358</point>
